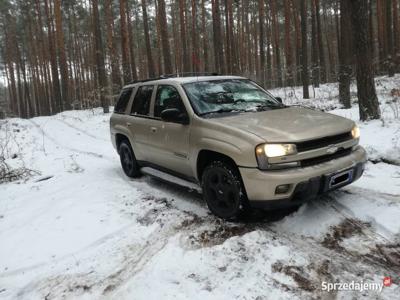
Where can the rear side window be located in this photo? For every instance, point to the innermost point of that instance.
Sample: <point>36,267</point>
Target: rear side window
<point>141,103</point>
<point>123,100</point>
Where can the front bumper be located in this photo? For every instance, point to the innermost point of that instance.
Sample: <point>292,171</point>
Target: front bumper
<point>305,183</point>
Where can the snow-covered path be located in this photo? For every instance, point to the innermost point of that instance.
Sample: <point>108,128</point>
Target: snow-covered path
<point>81,229</point>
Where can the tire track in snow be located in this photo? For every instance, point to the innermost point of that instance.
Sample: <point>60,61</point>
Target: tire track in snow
<point>346,213</point>
<point>81,130</point>
<point>44,133</point>
<point>172,220</point>
<point>137,258</point>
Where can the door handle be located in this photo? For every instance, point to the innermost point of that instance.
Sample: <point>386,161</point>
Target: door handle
<point>128,124</point>
<point>153,129</point>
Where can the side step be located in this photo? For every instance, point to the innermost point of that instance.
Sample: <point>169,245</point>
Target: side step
<point>171,178</point>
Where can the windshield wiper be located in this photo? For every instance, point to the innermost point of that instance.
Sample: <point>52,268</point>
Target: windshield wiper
<point>270,105</point>
<point>222,110</point>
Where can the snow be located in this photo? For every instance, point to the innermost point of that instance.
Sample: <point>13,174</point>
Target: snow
<point>82,229</point>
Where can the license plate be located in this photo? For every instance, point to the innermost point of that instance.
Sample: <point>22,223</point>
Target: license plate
<point>341,179</point>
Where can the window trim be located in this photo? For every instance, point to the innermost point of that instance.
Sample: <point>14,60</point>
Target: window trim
<point>124,112</point>
<point>149,115</point>
<point>155,98</point>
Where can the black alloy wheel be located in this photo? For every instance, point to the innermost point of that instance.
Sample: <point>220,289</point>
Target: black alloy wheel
<point>223,190</point>
<point>128,160</point>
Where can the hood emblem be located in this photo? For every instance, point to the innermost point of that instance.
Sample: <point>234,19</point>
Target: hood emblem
<point>332,149</point>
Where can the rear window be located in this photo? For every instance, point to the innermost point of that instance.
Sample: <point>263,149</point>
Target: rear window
<point>141,103</point>
<point>123,100</point>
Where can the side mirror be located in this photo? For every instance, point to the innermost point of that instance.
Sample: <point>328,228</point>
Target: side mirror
<point>279,99</point>
<point>174,115</point>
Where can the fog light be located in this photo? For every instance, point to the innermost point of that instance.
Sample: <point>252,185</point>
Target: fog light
<point>282,189</point>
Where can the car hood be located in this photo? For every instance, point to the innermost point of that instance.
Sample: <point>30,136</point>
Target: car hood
<point>292,124</point>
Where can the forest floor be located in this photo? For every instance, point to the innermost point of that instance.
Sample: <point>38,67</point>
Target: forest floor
<point>75,227</point>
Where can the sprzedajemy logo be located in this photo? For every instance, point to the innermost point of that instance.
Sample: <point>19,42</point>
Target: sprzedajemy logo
<point>357,285</point>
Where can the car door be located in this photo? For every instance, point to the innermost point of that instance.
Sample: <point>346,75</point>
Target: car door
<point>169,141</point>
<point>138,121</point>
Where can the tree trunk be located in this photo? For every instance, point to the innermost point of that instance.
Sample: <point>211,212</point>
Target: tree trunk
<point>204,36</point>
<point>195,50</point>
<point>132,43</point>
<point>345,54</point>
<point>176,40</point>
<point>101,71</point>
<point>381,33</point>
<point>314,46</point>
<point>232,45</point>
<point>61,54</point>
<point>218,51</point>
<point>368,101</point>
<point>389,33</point>
<point>164,37</point>
<point>304,55</point>
<point>227,41</point>
<point>56,105</point>
<point>112,47</point>
<point>297,27</point>
<point>185,52</point>
<point>396,35</point>
<point>322,62</point>
<point>261,16</point>
<point>45,107</point>
<point>276,39</point>
<point>159,66</point>
<point>288,45</point>
<point>127,76</point>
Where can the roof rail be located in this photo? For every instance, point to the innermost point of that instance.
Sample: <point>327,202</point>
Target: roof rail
<point>144,80</point>
<point>189,74</point>
<point>176,75</point>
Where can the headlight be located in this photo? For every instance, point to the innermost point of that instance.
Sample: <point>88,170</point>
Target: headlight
<point>276,150</point>
<point>265,151</point>
<point>355,132</point>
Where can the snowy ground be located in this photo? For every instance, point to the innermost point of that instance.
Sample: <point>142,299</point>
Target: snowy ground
<point>81,229</point>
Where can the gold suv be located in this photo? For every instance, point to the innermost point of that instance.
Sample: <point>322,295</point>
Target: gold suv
<point>234,141</point>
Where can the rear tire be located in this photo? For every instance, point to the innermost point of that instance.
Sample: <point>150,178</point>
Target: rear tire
<point>223,191</point>
<point>128,160</point>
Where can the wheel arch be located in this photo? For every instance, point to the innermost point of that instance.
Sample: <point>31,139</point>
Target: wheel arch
<point>205,157</point>
<point>119,137</point>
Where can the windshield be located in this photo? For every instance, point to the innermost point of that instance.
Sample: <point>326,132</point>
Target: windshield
<point>228,95</point>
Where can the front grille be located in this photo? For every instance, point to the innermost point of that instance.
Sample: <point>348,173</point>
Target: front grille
<point>323,142</point>
<point>321,159</point>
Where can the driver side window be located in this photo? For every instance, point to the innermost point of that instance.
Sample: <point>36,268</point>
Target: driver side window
<point>167,97</point>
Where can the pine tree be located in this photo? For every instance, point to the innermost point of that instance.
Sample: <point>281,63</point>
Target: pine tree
<point>261,16</point>
<point>368,101</point>
<point>165,38</point>
<point>126,70</point>
<point>61,54</point>
<point>345,54</point>
<point>101,72</point>
<point>288,45</point>
<point>185,52</point>
<point>112,47</point>
<point>218,50</point>
<point>57,104</point>
<point>304,55</point>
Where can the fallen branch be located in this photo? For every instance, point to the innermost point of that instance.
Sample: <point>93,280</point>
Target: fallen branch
<point>8,174</point>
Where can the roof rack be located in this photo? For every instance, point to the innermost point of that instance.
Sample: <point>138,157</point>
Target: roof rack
<point>189,74</point>
<point>176,75</point>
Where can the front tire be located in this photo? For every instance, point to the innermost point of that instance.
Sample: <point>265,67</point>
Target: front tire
<point>223,191</point>
<point>128,160</point>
